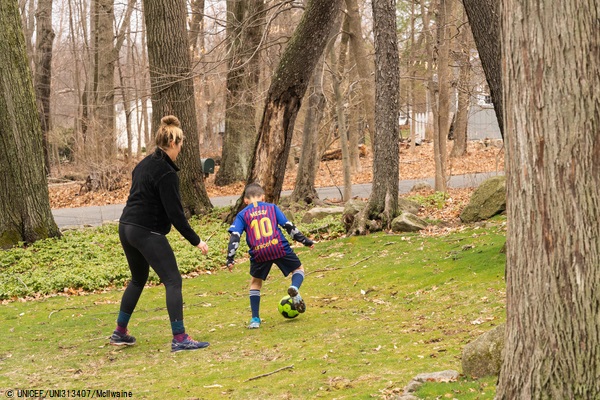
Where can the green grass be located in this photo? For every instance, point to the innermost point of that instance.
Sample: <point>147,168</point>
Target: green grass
<point>381,309</point>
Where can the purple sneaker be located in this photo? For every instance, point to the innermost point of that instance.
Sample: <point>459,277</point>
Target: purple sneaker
<point>187,344</point>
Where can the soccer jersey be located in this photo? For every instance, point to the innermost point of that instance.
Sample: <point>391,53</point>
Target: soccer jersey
<point>261,223</point>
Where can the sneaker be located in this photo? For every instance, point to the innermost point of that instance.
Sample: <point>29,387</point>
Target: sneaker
<point>297,299</point>
<point>254,323</point>
<point>187,344</point>
<point>121,339</point>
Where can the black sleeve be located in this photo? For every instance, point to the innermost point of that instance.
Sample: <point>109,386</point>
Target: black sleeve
<point>234,243</point>
<point>171,200</point>
<point>297,235</point>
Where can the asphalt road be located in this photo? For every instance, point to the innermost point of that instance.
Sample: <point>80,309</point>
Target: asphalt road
<point>97,215</point>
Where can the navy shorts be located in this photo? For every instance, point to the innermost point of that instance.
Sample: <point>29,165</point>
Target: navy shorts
<point>287,264</point>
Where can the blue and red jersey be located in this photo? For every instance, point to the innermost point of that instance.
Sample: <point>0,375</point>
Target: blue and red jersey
<point>261,223</point>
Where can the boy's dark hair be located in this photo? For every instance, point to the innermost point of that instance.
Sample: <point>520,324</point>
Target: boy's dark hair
<point>253,190</point>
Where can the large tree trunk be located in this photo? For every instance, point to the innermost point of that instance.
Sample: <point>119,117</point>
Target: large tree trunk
<point>552,132</point>
<point>363,65</point>
<point>103,124</point>
<point>441,134</point>
<point>43,71</point>
<point>173,92</point>
<point>285,95</point>
<point>459,149</point>
<point>484,18</point>
<point>25,214</point>
<point>338,68</point>
<point>304,189</point>
<point>245,20</point>
<point>383,202</point>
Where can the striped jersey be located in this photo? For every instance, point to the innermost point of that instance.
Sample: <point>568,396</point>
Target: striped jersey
<point>261,223</point>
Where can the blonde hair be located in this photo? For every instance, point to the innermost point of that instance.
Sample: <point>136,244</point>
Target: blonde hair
<point>168,131</point>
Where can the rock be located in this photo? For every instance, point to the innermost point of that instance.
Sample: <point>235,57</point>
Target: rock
<point>408,222</point>
<point>351,208</point>
<point>318,213</point>
<point>408,206</point>
<point>488,200</point>
<point>417,381</point>
<point>483,356</point>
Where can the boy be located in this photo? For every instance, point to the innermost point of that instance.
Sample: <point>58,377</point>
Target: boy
<point>267,245</point>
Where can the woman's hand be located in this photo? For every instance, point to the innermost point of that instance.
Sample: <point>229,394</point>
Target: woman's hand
<point>203,247</point>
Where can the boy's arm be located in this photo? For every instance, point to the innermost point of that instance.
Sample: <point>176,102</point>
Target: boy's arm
<point>234,243</point>
<point>297,235</point>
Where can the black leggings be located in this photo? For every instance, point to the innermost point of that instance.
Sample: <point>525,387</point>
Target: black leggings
<point>142,249</point>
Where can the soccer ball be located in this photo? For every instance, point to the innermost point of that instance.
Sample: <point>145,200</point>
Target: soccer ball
<point>286,307</point>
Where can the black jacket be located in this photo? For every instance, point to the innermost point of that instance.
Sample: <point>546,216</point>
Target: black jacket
<point>154,202</point>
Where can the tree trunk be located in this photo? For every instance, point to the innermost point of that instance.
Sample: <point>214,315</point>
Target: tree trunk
<point>43,71</point>
<point>245,20</point>
<point>459,149</point>
<point>173,92</point>
<point>304,189</point>
<point>552,125</point>
<point>484,18</point>
<point>441,135</point>
<point>285,95</point>
<point>103,123</point>
<point>363,65</point>
<point>338,69</point>
<point>383,202</point>
<point>25,214</point>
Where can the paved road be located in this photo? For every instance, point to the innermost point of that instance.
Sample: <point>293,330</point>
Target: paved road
<point>97,215</point>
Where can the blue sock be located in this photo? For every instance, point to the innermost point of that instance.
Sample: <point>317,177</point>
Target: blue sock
<point>297,279</point>
<point>123,321</point>
<point>254,302</point>
<point>177,327</point>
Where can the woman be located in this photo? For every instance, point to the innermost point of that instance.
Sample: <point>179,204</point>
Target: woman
<point>153,205</point>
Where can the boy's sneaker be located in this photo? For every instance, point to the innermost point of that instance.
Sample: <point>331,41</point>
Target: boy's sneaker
<point>187,344</point>
<point>121,339</point>
<point>254,323</point>
<point>297,299</point>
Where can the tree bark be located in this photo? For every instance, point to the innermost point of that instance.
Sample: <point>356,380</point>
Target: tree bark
<point>383,202</point>
<point>459,149</point>
<point>338,68</point>
<point>288,86</point>
<point>363,64</point>
<point>173,92</point>
<point>484,18</point>
<point>441,135</point>
<point>304,189</point>
<point>245,20</point>
<point>43,71</point>
<point>25,214</point>
<point>552,133</point>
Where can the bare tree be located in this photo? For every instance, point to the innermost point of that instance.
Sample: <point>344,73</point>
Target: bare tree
<point>287,89</point>
<point>25,213</point>
<point>308,165</point>
<point>173,91</point>
<point>245,20</point>
<point>484,19</point>
<point>43,71</point>
<point>441,59</point>
<point>552,125</point>
<point>382,206</point>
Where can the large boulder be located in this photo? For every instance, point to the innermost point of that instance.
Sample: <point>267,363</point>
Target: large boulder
<point>318,213</point>
<point>352,208</point>
<point>488,200</point>
<point>483,356</point>
<point>407,222</point>
<point>408,206</point>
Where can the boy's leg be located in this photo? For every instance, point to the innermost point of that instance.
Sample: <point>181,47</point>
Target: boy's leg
<point>255,287</point>
<point>290,264</point>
